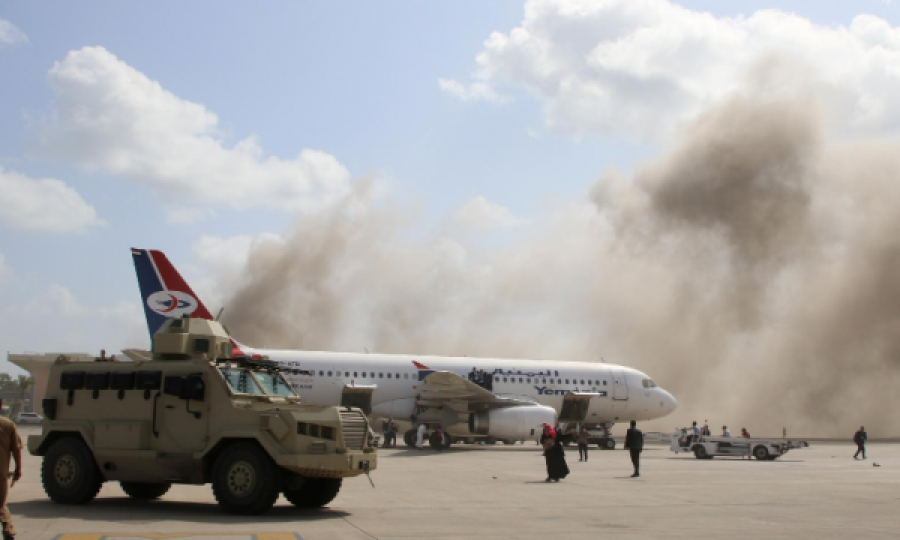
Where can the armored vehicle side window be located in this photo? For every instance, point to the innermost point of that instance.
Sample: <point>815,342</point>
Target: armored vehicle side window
<point>71,380</point>
<point>96,381</point>
<point>122,380</point>
<point>241,381</point>
<point>201,345</point>
<point>148,380</point>
<point>275,384</point>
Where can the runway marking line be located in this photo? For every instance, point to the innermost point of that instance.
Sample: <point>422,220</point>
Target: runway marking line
<point>167,536</point>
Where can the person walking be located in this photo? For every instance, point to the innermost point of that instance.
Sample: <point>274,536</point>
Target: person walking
<point>582,444</point>
<point>554,456</point>
<point>860,438</point>
<point>10,447</point>
<point>634,443</point>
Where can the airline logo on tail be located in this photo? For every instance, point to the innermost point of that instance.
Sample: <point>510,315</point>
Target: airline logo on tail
<point>164,292</point>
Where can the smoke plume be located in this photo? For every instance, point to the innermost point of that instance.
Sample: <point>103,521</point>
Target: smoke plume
<point>753,270</point>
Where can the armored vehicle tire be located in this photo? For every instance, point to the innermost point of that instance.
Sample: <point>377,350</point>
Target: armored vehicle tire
<point>245,480</point>
<point>700,452</point>
<point>316,492</point>
<point>760,452</point>
<point>144,491</point>
<point>69,472</point>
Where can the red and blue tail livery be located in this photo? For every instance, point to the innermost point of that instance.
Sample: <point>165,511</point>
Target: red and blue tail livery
<point>164,292</point>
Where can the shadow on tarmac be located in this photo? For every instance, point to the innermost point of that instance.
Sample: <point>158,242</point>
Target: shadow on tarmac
<point>127,510</point>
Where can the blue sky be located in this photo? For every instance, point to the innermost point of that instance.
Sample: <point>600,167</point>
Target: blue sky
<point>359,82</point>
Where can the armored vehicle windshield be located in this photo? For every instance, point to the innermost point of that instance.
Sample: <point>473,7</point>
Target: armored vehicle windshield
<point>256,383</point>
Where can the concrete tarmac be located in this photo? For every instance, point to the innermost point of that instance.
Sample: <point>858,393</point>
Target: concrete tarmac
<point>499,493</point>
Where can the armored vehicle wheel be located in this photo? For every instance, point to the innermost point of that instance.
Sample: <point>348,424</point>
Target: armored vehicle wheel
<point>700,452</point>
<point>244,480</point>
<point>144,491</point>
<point>69,472</point>
<point>410,438</point>
<point>314,493</point>
<point>761,452</point>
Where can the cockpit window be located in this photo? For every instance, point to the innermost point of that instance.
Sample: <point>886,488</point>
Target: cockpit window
<point>647,383</point>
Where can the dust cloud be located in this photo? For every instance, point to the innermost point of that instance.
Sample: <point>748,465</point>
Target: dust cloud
<point>753,270</point>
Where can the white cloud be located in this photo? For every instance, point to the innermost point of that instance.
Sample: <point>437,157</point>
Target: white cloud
<point>10,34</point>
<point>480,214</point>
<point>188,215</point>
<point>476,91</point>
<point>112,118</point>
<point>44,204</point>
<point>641,67</point>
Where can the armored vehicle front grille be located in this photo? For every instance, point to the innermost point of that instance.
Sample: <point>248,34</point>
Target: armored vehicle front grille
<point>354,428</point>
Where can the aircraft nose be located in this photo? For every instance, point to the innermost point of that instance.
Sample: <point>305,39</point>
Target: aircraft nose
<point>669,402</point>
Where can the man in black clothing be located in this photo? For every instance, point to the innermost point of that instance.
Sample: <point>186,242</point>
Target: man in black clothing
<point>860,438</point>
<point>634,442</point>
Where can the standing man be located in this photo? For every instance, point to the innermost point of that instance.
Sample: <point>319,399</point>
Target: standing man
<point>634,442</point>
<point>582,444</point>
<point>860,438</point>
<point>10,446</point>
<point>725,432</point>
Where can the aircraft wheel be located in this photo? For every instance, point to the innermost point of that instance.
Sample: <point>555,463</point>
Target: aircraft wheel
<point>410,438</point>
<point>314,493</point>
<point>609,444</point>
<point>435,441</point>
<point>761,453</point>
<point>69,472</point>
<point>490,440</point>
<point>145,491</point>
<point>448,441</point>
<point>509,441</point>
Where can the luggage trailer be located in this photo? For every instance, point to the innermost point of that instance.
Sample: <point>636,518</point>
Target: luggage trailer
<point>707,447</point>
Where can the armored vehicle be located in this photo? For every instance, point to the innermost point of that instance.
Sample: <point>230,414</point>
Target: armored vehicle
<point>190,413</point>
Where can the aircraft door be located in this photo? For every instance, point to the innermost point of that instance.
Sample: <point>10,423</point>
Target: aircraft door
<point>620,387</point>
<point>358,396</point>
<point>575,407</point>
<point>182,414</point>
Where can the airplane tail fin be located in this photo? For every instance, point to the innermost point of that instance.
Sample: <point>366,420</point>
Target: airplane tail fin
<point>164,293</point>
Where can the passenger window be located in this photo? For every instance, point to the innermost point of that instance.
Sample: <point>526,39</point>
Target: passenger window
<point>504,379</point>
<point>582,381</point>
<point>496,379</point>
<point>329,374</point>
<point>346,374</point>
<point>398,375</point>
<point>567,381</point>
<point>380,375</point>
<point>321,374</point>
<point>389,375</point>
<point>604,383</point>
<point>544,381</point>
<point>406,375</point>
<point>528,380</point>
<point>355,375</point>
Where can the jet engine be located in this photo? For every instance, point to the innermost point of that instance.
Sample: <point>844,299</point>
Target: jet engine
<point>512,422</point>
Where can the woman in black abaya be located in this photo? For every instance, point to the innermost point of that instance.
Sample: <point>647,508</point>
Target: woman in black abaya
<point>554,455</point>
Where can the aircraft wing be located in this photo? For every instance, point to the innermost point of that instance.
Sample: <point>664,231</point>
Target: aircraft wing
<point>446,387</point>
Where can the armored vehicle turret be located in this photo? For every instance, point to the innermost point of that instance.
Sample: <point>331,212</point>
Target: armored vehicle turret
<point>191,413</point>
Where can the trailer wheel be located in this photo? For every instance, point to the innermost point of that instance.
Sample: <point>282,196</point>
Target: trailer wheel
<point>69,472</point>
<point>761,453</point>
<point>701,453</point>
<point>145,491</point>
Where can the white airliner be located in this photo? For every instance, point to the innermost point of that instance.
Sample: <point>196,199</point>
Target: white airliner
<point>509,403</point>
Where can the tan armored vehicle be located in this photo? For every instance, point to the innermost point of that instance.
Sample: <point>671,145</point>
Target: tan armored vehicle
<point>191,414</point>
